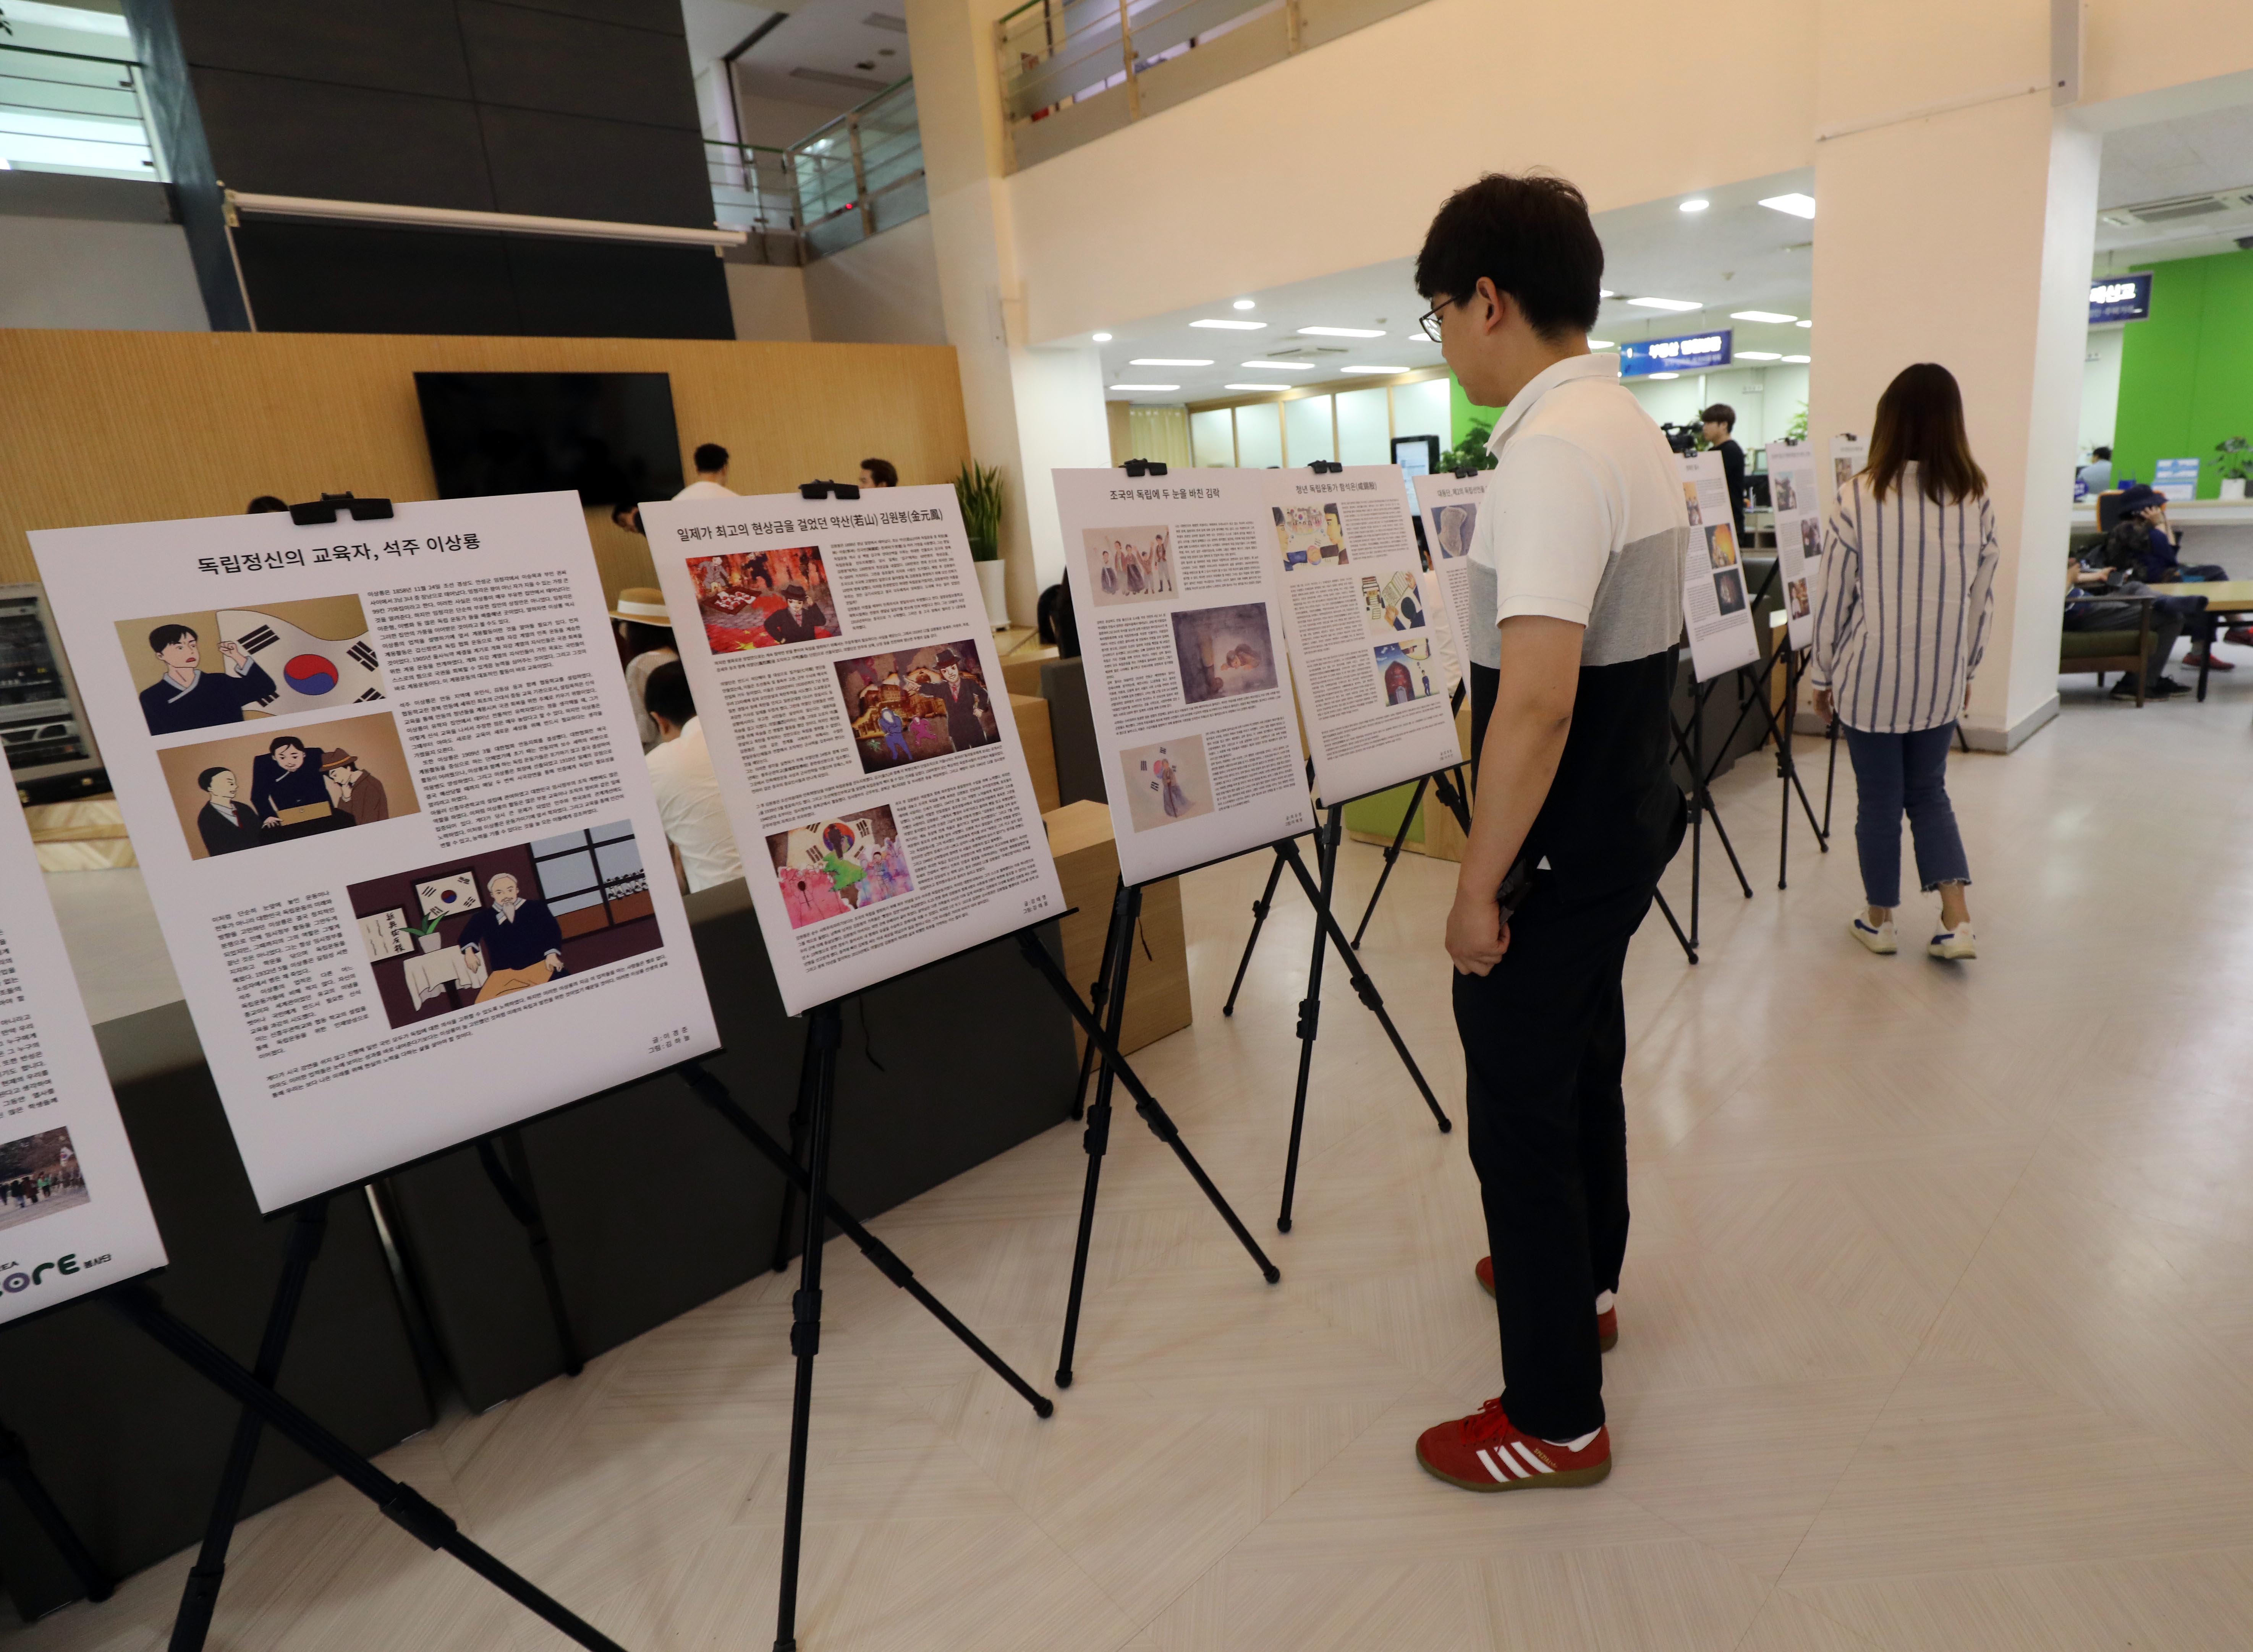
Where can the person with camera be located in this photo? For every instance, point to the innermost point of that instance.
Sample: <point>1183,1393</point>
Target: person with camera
<point>1719,423</point>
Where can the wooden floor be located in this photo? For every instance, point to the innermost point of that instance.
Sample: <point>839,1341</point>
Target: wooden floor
<point>1936,1331</point>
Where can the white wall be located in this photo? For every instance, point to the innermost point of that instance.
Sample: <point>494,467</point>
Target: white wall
<point>2099,385</point>
<point>769,303</point>
<point>1767,399</point>
<point>883,291</point>
<point>64,272</point>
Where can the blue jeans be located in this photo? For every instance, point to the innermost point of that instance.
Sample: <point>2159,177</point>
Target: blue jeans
<point>1897,772</point>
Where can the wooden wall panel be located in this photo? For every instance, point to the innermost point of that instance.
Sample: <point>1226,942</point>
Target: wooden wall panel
<point>137,427</point>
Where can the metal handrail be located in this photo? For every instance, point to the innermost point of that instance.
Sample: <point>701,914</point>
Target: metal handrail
<point>1077,48</point>
<point>87,109</point>
<point>848,165</point>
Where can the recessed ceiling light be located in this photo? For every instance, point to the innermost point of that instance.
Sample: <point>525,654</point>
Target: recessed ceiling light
<point>1647,375</point>
<point>1376,369</point>
<point>1801,360</point>
<point>1281,367</point>
<point>1696,204</point>
<point>1231,326</point>
<point>1776,317</point>
<point>1343,332</point>
<point>1797,205</point>
<point>1251,387</point>
<point>1145,386</point>
<point>1667,304</point>
<point>1758,355</point>
<point>1246,303</point>
<point>1100,338</point>
<point>1170,361</point>
<point>1606,292</point>
<point>1806,323</point>
<point>1601,344</point>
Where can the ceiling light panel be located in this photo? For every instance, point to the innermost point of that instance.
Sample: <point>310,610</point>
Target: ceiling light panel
<point>1230,327</point>
<point>1377,370</point>
<point>1666,303</point>
<point>1799,360</point>
<point>1281,367</point>
<point>1777,317</point>
<point>1759,355</point>
<point>1797,205</point>
<point>1246,303</point>
<point>1696,204</point>
<point>1252,387</point>
<point>1170,361</point>
<point>1343,332</point>
<point>1145,386</point>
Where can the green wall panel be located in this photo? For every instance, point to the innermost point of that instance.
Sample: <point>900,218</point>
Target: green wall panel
<point>1463,413</point>
<point>2186,373</point>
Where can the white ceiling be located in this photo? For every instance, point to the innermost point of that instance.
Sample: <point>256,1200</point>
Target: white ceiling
<point>828,54</point>
<point>2193,155</point>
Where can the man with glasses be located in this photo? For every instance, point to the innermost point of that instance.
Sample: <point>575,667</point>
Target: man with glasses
<point>1576,567</point>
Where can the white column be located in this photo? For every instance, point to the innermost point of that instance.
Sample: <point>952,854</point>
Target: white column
<point>1964,237</point>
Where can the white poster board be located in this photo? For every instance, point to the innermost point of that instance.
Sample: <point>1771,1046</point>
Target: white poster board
<point>442,711</point>
<point>1174,582</point>
<point>1357,614</point>
<point>1796,494</point>
<point>1451,505</point>
<point>1716,604</point>
<point>2175,480</point>
<point>1848,455</point>
<point>844,676</point>
<point>74,1216</point>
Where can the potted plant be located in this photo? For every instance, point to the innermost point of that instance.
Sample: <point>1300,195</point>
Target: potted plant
<point>2236,466</point>
<point>978,488</point>
<point>426,932</point>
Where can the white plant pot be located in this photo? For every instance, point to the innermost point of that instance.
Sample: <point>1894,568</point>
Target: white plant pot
<point>2233,487</point>
<point>429,943</point>
<point>993,586</point>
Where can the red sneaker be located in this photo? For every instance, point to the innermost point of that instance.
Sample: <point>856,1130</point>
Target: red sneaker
<point>1485,1452</point>
<point>1606,1321</point>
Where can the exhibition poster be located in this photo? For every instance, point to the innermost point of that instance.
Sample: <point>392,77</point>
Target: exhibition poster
<point>845,675</point>
<point>1451,505</point>
<point>73,1214</point>
<point>1716,608</point>
<point>1358,615</point>
<point>1174,579</point>
<point>1848,455</point>
<point>1795,493</point>
<point>389,801</point>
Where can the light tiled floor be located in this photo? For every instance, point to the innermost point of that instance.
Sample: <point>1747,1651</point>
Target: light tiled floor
<point>1937,1328</point>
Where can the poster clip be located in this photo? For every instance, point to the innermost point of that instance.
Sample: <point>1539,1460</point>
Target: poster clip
<point>829,489</point>
<point>1325,467</point>
<point>324,509</point>
<point>1144,467</point>
<point>1465,474</point>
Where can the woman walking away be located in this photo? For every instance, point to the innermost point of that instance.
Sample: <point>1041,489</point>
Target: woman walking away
<point>1908,571</point>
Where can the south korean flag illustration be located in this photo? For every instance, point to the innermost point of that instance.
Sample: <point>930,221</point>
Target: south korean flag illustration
<point>309,672</point>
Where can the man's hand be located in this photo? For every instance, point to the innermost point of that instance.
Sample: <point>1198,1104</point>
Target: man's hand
<point>237,659</point>
<point>271,821</point>
<point>1476,936</point>
<point>1824,707</point>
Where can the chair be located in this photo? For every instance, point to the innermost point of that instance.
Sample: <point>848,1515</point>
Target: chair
<point>2103,651</point>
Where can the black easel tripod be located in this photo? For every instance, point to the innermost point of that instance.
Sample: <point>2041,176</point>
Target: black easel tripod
<point>15,1468</point>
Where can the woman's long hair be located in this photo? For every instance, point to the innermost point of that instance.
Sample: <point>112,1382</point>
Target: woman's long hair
<point>1920,422</point>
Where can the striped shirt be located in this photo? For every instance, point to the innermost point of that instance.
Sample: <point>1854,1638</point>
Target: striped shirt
<point>1907,597</point>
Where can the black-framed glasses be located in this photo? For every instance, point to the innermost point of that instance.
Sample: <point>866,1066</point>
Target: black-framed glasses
<point>1429,321</point>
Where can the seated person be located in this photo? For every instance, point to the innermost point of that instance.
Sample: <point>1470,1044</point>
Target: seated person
<point>2140,542</point>
<point>226,826</point>
<point>354,791</point>
<point>516,940</point>
<point>188,697</point>
<point>645,629</point>
<point>2086,588</point>
<point>286,779</point>
<point>688,793</point>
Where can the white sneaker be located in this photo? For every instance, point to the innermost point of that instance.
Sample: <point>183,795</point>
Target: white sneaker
<point>1882,940</point>
<point>1955,943</point>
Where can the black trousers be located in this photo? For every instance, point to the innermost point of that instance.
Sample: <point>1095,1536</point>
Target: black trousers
<point>1544,1039</point>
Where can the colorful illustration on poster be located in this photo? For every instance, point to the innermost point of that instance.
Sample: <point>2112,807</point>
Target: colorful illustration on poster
<point>220,666</point>
<point>253,790</point>
<point>1406,669</point>
<point>1721,545</point>
<point>1729,589</point>
<point>39,1175</point>
<point>1794,594</point>
<point>1224,652</point>
<point>1811,538</point>
<point>1783,492</point>
<point>1310,536</point>
<point>440,938</point>
<point>1390,603</point>
<point>1455,524</point>
<point>915,704</point>
<point>1128,564</point>
<point>764,599</point>
<point>1690,496</point>
<point>826,869</point>
<point>1167,783</point>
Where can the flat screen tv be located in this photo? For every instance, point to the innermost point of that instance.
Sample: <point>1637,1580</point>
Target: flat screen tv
<point>607,437</point>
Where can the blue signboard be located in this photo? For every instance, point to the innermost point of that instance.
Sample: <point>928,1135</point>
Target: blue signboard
<point>1691,353</point>
<point>2120,298</point>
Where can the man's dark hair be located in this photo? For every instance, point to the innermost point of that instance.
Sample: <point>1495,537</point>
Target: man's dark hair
<point>164,635</point>
<point>204,780</point>
<point>1719,412</point>
<point>264,503</point>
<point>281,740</point>
<point>641,639</point>
<point>627,515</point>
<point>665,694</point>
<point>711,456</point>
<point>2101,453</point>
<point>1531,237</point>
<point>883,472</point>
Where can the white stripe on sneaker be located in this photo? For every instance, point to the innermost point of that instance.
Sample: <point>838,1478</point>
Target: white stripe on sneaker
<point>1533,1457</point>
<point>1497,1472</point>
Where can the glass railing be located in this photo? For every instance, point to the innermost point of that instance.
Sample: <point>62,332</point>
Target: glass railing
<point>859,174</point>
<point>75,111</point>
<point>1054,52</point>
